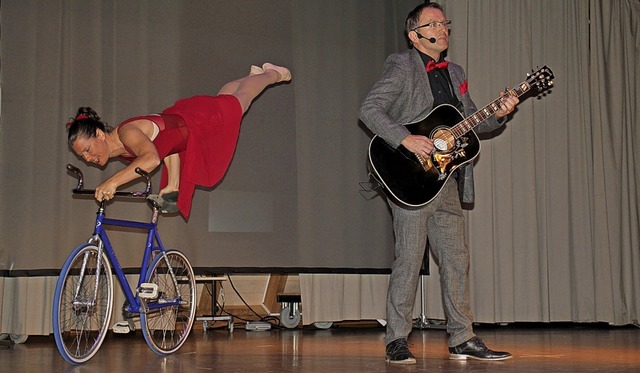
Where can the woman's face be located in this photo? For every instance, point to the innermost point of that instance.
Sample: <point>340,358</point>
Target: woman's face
<point>92,149</point>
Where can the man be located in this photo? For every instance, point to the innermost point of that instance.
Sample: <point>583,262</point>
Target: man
<point>410,87</point>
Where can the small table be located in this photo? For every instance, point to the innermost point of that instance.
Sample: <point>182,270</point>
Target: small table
<point>206,318</point>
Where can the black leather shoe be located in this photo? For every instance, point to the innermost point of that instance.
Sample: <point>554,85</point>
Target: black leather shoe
<point>475,349</point>
<point>398,353</point>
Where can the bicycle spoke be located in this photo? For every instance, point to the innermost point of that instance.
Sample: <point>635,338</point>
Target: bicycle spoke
<point>82,307</point>
<point>166,328</point>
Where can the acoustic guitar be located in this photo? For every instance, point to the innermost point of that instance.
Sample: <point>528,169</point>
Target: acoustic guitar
<point>413,180</point>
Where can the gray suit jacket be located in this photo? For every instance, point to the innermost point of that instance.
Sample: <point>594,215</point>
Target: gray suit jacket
<point>403,96</point>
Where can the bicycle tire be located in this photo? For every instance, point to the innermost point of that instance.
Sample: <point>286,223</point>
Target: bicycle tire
<point>79,324</point>
<point>166,329</point>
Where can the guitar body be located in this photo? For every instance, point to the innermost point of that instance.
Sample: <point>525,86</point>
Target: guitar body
<point>411,180</point>
<point>414,181</point>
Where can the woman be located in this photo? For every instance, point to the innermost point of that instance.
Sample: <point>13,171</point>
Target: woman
<point>195,138</point>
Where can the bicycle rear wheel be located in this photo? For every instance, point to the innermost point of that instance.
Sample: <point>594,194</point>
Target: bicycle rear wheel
<point>166,329</point>
<point>82,304</point>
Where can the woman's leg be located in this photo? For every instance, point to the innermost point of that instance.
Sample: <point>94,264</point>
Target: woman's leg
<point>248,88</point>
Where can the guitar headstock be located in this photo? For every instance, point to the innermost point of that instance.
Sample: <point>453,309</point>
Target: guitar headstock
<point>542,79</point>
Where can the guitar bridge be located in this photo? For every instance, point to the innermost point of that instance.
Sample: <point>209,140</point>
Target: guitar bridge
<point>444,159</point>
<point>425,163</point>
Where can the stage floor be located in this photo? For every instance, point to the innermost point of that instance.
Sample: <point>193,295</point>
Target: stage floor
<point>355,347</point>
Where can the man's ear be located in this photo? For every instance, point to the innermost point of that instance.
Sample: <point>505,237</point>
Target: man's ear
<point>413,36</point>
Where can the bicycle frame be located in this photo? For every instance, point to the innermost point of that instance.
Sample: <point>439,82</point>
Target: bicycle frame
<point>153,244</point>
<point>83,300</point>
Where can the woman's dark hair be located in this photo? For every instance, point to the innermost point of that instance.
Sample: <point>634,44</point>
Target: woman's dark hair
<point>85,124</point>
<point>414,16</point>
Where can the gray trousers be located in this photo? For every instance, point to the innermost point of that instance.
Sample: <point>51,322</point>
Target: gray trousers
<point>443,222</point>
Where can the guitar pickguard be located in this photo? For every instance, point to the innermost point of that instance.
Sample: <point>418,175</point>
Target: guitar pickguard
<point>446,162</point>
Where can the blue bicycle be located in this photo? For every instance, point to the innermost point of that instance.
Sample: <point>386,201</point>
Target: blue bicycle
<point>83,301</point>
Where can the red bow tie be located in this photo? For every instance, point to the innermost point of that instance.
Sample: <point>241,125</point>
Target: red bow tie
<point>440,65</point>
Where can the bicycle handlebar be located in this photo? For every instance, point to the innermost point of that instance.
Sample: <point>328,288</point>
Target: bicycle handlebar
<point>79,189</point>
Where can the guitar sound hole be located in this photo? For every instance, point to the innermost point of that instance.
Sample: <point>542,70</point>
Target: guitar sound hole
<point>443,140</point>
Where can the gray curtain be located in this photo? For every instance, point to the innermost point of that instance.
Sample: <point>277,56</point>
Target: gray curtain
<point>554,234</point>
<point>128,58</point>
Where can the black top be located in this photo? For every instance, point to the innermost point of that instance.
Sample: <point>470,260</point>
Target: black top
<point>441,86</point>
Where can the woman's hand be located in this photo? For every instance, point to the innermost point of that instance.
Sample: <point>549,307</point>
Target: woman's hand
<point>105,191</point>
<point>167,189</point>
<point>130,136</point>
<point>172,163</point>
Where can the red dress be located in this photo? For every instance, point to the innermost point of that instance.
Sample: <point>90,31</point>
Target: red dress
<point>203,130</point>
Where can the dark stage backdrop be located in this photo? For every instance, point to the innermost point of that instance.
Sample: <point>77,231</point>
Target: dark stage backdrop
<point>291,197</point>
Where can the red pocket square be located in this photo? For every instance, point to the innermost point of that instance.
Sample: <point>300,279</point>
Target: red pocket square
<point>464,87</point>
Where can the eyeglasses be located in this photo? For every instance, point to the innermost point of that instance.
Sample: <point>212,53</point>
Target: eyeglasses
<point>435,24</point>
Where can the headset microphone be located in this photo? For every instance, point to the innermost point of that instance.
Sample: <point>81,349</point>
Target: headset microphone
<point>432,40</point>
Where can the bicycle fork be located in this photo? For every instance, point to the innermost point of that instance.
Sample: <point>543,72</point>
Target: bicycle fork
<point>88,305</point>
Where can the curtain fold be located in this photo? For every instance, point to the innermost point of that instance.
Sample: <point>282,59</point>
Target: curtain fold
<point>614,91</point>
<point>554,231</point>
<point>554,234</point>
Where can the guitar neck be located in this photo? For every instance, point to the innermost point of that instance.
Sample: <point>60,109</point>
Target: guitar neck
<point>479,116</point>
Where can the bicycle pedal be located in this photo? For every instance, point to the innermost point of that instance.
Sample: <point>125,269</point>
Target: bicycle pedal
<point>148,291</point>
<point>121,327</point>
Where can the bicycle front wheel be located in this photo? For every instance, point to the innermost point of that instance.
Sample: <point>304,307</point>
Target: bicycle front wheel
<point>166,328</point>
<point>82,304</point>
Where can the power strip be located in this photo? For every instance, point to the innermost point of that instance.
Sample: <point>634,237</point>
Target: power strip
<point>257,326</point>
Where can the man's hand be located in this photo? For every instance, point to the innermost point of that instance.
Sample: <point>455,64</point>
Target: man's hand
<point>419,145</point>
<point>508,104</point>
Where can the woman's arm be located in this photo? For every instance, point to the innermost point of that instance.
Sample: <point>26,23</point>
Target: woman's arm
<point>146,155</point>
<point>172,163</point>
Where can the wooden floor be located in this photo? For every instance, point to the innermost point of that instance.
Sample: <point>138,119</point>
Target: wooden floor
<point>347,348</point>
